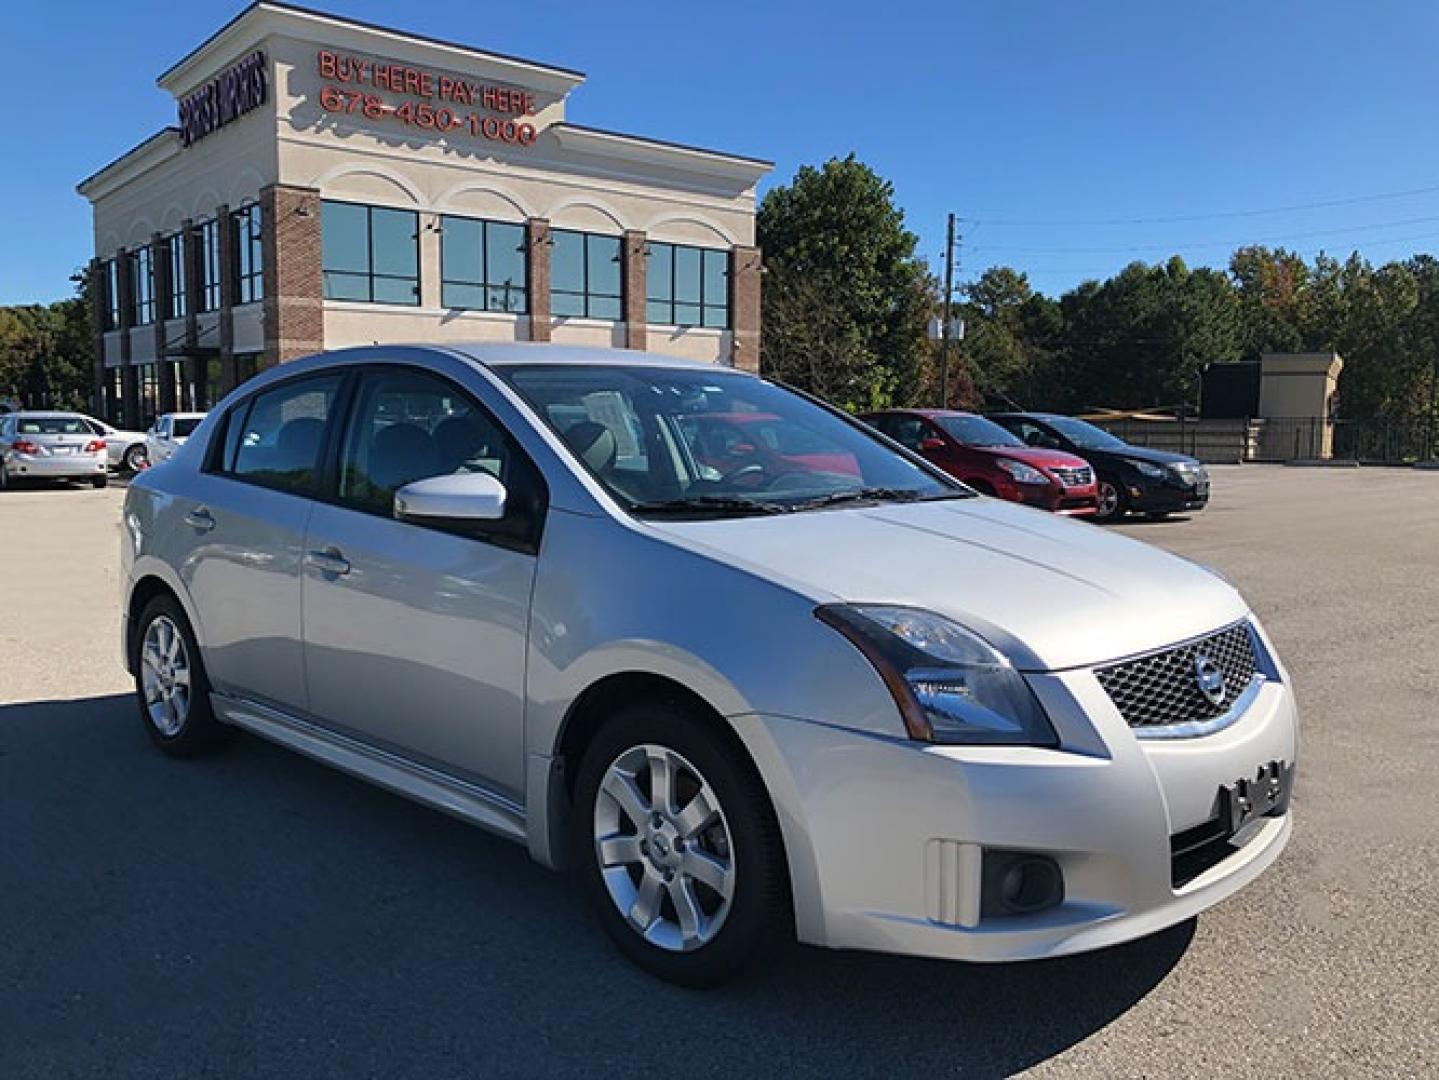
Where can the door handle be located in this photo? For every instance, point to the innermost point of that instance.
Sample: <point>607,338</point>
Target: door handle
<point>200,518</point>
<point>329,561</point>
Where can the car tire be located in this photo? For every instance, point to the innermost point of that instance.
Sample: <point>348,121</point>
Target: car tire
<point>666,872</point>
<point>172,691</point>
<point>135,457</point>
<point>1113,504</point>
<point>100,481</point>
<point>4,477</point>
<point>1157,515</point>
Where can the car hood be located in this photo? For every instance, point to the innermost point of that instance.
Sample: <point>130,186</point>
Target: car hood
<point>1144,453</point>
<point>1036,456</point>
<point>1049,592</point>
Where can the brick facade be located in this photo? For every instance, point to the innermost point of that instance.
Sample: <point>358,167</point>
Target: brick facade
<point>294,302</point>
<point>744,277</point>
<point>537,281</point>
<point>632,260</point>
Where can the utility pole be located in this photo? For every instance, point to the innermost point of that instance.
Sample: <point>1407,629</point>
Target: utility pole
<point>947,327</point>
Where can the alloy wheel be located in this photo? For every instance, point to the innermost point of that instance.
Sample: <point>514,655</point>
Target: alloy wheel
<point>1108,499</point>
<point>664,848</point>
<point>165,676</point>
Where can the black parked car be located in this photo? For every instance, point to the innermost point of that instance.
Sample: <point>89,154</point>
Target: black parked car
<point>1132,479</point>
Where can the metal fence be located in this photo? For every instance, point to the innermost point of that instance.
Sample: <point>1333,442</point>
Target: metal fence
<point>1372,441</point>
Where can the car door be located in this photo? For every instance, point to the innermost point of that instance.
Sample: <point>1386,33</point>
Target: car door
<point>415,635</point>
<point>243,530</point>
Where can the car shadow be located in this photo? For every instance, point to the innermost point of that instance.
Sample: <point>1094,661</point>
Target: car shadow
<point>253,913</point>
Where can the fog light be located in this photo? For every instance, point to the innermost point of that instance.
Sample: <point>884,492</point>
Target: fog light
<point>1019,883</point>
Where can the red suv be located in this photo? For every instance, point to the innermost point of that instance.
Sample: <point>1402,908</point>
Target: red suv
<point>992,460</point>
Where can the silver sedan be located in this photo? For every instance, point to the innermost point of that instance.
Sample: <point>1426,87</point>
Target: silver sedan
<point>50,446</point>
<point>796,682</point>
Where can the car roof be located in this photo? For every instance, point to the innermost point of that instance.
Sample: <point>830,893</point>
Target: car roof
<point>45,414</point>
<point>185,415</point>
<point>508,354</point>
<point>1028,415</point>
<point>932,414</point>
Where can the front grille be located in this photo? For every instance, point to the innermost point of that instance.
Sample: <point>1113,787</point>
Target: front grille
<point>1162,688</point>
<point>1082,476</point>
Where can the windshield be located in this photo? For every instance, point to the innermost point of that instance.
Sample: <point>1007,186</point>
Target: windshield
<point>977,431</point>
<point>709,442</point>
<point>51,425</point>
<point>1085,435</point>
<point>185,425</point>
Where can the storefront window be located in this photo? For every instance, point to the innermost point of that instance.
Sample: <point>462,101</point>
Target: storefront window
<point>249,255</point>
<point>214,380</point>
<point>483,265</point>
<point>142,285</point>
<point>371,253</point>
<point>585,275</point>
<point>149,376</point>
<point>110,282</point>
<point>687,286</point>
<point>209,298</point>
<point>177,303</point>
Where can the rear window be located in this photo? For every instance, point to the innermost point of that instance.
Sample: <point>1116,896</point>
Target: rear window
<point>51,425</point>
<point>185,425</point>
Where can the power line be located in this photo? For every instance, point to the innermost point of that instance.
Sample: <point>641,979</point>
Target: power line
<point>1325,204</point>
<point>1171,246</point>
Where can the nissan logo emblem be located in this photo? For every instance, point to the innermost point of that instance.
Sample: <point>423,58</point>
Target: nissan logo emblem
<point>1210,679</point>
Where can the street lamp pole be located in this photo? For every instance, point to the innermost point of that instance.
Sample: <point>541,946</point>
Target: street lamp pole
<point>948,316</point>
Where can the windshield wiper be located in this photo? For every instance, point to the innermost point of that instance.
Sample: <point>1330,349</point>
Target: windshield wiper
<point>875,494</point>
<point>719,505</point>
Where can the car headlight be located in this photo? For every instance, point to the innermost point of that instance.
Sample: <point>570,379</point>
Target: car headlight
<point>1157,472</point>
<point>951,685</point>
<point>1021,472</point>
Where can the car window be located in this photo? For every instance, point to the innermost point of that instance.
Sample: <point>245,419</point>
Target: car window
<point>162,427</point>
<point>51,425</point>
<point>95,427</point>
<point>908,431</point>
<point>275,439</point>
<point>663,439</point>
<point>185,426</point>
<point>977,431</point>
<point>409,425</point>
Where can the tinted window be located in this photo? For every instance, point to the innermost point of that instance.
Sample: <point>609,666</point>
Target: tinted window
<point>51,425</point>
<point>185,426</point>
<point>408,426</point>
<point>1086,435</point>
<point>977,431</point>
<point>276,438</point>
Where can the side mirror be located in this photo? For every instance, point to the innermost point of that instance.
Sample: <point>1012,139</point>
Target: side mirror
<point>931,442</point>
<point>476,496</point>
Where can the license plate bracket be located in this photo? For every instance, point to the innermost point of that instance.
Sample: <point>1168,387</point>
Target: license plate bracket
<point>1265,794</point>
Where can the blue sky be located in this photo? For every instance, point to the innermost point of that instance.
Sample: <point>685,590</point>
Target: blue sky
<point>1069,136</point>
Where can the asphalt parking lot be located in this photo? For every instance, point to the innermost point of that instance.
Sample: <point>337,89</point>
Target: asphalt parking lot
<point>256,915</point>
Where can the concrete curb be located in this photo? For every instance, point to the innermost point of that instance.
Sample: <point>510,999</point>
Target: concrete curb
<point>1322,463</point>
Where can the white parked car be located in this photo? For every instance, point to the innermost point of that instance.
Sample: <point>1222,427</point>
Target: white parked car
<point>124,449</point>
<point>168,433</point>
<point>736,691</point>
<point>37,445</point>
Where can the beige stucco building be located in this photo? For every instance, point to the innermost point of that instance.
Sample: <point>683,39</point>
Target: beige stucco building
<point>332,183</point>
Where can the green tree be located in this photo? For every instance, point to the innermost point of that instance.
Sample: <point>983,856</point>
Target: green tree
<point>843,283</point>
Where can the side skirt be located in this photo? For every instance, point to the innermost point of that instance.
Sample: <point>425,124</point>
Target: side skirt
<point>460,799</point>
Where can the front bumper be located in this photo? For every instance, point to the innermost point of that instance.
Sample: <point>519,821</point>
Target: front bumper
<point>56,466</point>
<point>1166,497</point>
<point>885,836</point>
<point>1058,499</point>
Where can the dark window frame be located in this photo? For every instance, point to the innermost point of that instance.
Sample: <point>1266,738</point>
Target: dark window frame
<point>142,286</point>
<point>247,227</point>
<point>369,273</point>
<point>111,307</point>
<point>177,303</point>
<point>587,294</point>
<point>208,233</point>
<point>671,274</point>
<point>486,284</point>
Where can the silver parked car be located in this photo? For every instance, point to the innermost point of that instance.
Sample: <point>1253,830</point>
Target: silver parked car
<point>50,446</point>
<point>125,449</point>
<point>796,680</point>
<point>168,433</point>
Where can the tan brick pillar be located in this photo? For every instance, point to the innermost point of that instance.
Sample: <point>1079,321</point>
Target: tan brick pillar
<point>294,304</point>
<point>633,288</point>
<point>537,276</point>
<point>165,383</point>
<point>229,290</point>
<point>744,301</point>
<point>129,380</point>
<point>190,266</point>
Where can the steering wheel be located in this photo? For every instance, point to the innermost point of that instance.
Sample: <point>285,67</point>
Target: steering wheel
<point>751,469</point>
